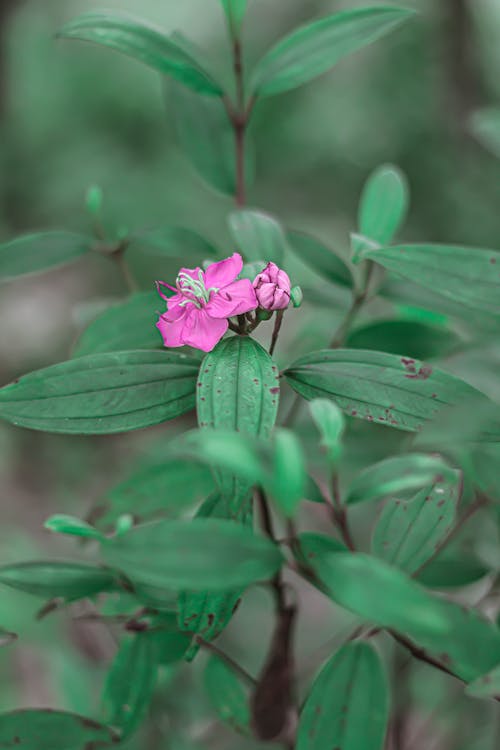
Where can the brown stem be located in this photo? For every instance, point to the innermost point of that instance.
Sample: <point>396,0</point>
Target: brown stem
<point>339,515</point>
<point>239,121</point>
<point>227,659</point>
<point>277,327</point>
<point>358,300</point>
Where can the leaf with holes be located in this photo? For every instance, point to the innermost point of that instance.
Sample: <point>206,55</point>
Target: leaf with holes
<point>348,705</point>
<point>313,49</point>
<point>409,532</point>
<point>33,253</point>
<point>103,393</point>
<point>383,204</point>
<point>258,235</point>
<point>319,258</point>
<point>141,41</point>
<point>383,388</point>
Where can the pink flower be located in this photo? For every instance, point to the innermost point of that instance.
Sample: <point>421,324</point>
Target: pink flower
<point>203,301</point>
<point>272,287</point>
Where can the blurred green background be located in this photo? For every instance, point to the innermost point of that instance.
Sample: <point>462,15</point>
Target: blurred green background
<point>72,115</point>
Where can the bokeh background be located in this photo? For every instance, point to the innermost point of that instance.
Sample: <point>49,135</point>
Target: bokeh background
<point>73,115</point>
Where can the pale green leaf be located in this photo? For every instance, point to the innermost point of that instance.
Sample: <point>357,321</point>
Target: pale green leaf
<point>33,253</point>
<point>383,205</point>
<point>319,258</point>
<point>258,235</point>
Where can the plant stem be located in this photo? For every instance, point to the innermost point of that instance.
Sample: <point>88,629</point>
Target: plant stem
<point>226,658</point>
<point>358,300</point>
<point>277,327</point>
<point>339,515</point>
<point>239,121</point>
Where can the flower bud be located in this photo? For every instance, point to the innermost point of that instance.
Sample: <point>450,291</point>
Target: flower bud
<point>296,296</point>
<point>272,288</point>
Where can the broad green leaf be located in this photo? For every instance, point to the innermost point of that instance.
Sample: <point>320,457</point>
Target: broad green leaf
<point>143,42</point>
<point>235,12</point>
<point>37,252</point>
<point>207,138</point>
<point>130,683</point>
<point>53,580</point>
<point>470,276</point>
<point>62,524</point>
<point>171,644</point>
<point>485,125</point>
<point>409,337</point>
<point>320,258</point>
<point>409,532</point>
<point>451,573</point>
<point>396,475</point>
<point>199,554</point>
<point>127,325</point>
<point>103,393</point>
<point>348,706</point>
<point>41,729</point>
<point>486,686</point>
<point>227,695</point>
<point>330,422</point>
<point>383,388</point>
<point>258,235</point>
<point>313,49</point>
<point>288,482</point>
<point>383,205</point>
<point>311,545</point>
<point>445,629</point>
<point>172,242</point>
<point>166,487</point>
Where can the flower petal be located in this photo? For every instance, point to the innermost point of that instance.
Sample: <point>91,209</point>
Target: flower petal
<point>205,332</point>
<point>235,299</point>
<point>172,331</point>
<point>224,272</point>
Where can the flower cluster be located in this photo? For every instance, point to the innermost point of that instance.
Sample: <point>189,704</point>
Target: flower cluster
<point>203,301</point>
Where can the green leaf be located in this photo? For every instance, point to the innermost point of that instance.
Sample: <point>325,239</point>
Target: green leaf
<point>451,573</point>
<point>37,252</point>
<point>199,554</point>
<point>235,12</point>
<point>172,242</point>
<point>170,643</point>
<point>383,205</point>
<point>66,580</point>
<point>485,124</point>
<point>348,706</point>
<point>313,49</point>
<point>466,275</point>
<point>445,629</point>
<point>227,695</point>
<point>127,325</point>
<point>206,135</point>
<point>288,482</point>
<point>319,258</point>
<point>62,524</point>
<point>311,545</point>
<point>486,686</point>
<point>383,388</point>
<point>409,532</point>
<point>143,42</point>
<point>41,729</point>
<point>409,337</point>
<point>258,235</point>
<point>396,475</point>
<point>330,422</point>
<point>130,683</point>
<point>168,487</point>
<point>103,393</point>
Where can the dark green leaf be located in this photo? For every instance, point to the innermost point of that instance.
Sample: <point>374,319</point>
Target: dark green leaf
<point>445,629</point>
<point>470,276</point>
<point>143,42</point>
<point>62,524</point>
<point>409,532</point>
<point>170,643</point>
<point>485,125</point>
<point>383,388</point>
<point>313,49</point>
<point>127,325</point>
<point>65,580</point>
<point>227,695</point>
<point>383,204</point>
<point>409,337</point>
<point>172,242</point>
<point>451,573</point>
<point>41,729</point>
<point>486,686</point>
<point>320,258</point>
<point>103,393</point>
<point>37,252</point>
<point>200,554</point>
<point>348,706</point>
<point>206,136</point>
<point>258,235</point>
<point>130,683</point>
<point>396,475</point>
<point>168,487</point>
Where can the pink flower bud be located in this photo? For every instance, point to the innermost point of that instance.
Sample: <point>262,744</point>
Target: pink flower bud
<point>272,288</point>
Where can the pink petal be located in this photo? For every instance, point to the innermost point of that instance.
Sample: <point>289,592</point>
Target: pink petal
<point>224,272</point>
<point>234,299</point>
<point>174,308</point>
<point>193,273</point>
<point>172,331</point>
<point>205,331</point>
